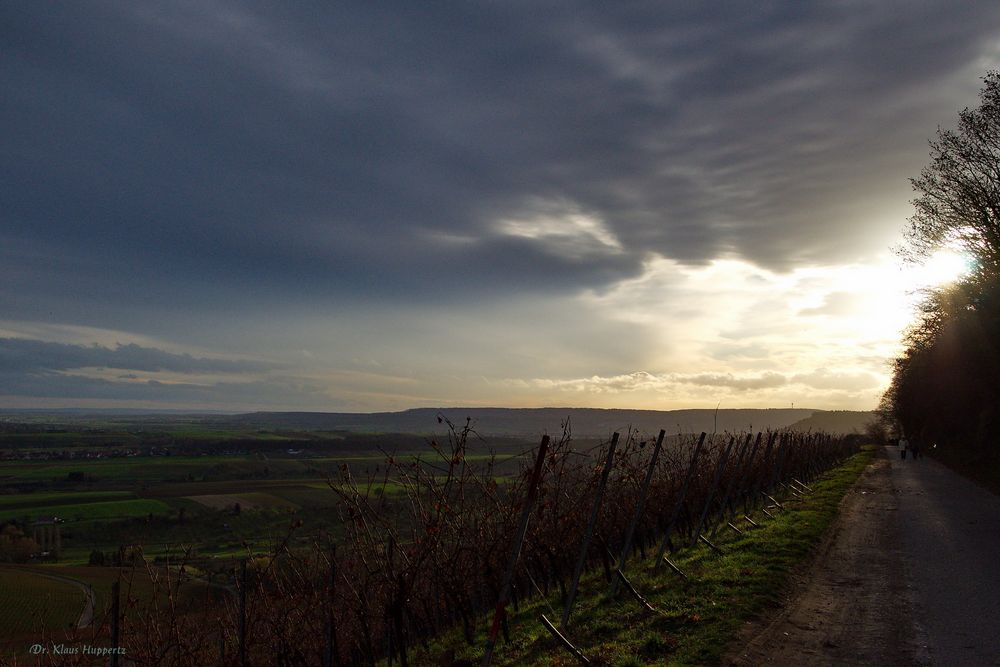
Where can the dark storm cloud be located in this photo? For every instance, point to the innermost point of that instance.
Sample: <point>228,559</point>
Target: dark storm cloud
<point>43,369</point>
<point>22,355</point>
<point>63,386</point>
<point>207,155</point>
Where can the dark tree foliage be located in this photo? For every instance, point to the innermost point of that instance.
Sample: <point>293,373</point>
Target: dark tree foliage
<point>946,385</point>
<point>958,198</point>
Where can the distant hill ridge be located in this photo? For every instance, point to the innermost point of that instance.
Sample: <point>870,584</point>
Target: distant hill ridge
<point>585,422</point>
<point>836,421</point>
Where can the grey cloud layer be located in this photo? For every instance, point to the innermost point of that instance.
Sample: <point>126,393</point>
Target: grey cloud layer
<point>24,355</point>
<point>639,381</point>
<point>207,155</point>
<point>43,369</point>
<point>239,395</point>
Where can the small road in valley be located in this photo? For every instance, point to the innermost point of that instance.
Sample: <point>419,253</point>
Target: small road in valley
<point>908,575</point>
<point>89,601</point>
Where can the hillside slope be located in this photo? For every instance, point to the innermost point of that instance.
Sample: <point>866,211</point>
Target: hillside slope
<point>585,422</point>
<point>836,421</point>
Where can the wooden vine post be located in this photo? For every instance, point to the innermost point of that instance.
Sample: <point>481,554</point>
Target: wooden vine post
<point>737,469</point>
<point>638,511</point>
<point>711,493</point>
<point>582,560</point>
<point>522,530</point>
<point>660,555</point>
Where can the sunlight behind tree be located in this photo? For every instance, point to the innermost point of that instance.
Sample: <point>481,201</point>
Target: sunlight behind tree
<point>943,267</point>
<point>946,385</point>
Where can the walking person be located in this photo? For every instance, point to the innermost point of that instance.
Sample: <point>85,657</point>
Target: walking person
<point>915,448</point>
<point>903,446</point>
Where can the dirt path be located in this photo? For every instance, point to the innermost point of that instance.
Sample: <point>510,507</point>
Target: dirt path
<point>909,575</point>
<point>853,605</point>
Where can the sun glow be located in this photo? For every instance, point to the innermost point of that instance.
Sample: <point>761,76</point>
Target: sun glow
<point>733,319</point>
<point>887,294</point>
<point>943,267</point>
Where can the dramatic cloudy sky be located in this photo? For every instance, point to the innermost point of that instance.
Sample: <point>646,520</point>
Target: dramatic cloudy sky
<point>365,206</point>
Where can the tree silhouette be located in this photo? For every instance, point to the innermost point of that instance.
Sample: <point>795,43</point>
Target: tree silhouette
<point>958,200</point>
<point>946,385</point>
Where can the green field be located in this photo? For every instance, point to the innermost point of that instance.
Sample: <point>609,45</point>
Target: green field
<point>100,579</point>
<point>252,500</point>
<point>31,500</point>
<point>184,489</point>
<point>99,511</point>
<point>145,469</point>
<point>32,603</point>
<point>167,501</point>
<point>306,495</point>
<point>186,502</point>
<point>136,585</point>
<point>119,469</point>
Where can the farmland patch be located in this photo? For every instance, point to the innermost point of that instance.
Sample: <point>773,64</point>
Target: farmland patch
<point>29,500</point>
<point>33,603</point>
<point>114,509</point>
<point>253,500</point>
<point>308,495</point>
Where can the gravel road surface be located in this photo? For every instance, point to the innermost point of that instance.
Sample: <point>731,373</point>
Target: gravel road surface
<point>951,537</point>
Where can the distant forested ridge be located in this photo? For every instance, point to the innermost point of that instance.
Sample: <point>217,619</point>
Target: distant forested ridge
<point>584,422</point>
<point>839,422</point>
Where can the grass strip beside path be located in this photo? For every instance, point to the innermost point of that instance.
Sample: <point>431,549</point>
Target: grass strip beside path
<point>695,620</point>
